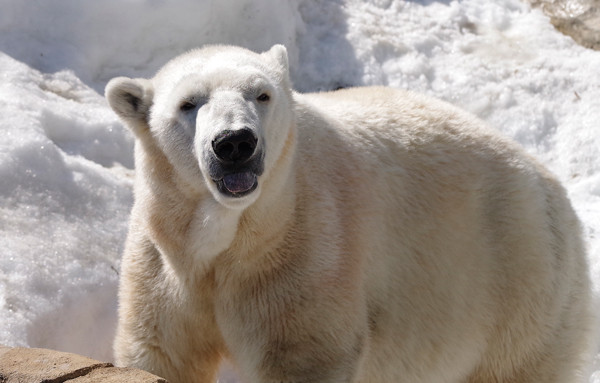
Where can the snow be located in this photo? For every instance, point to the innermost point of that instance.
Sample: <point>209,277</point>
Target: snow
<point>66,162</point>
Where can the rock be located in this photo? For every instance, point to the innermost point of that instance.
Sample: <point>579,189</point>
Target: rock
<point>35,365</point>
<point>25,365</point>
<point>118,375</point>
<point>579,19</point>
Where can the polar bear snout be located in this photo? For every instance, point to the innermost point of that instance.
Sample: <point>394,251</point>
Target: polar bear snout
<point>236,162</point>
<point>232,146</point>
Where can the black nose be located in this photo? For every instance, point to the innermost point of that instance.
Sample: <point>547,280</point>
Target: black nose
<point>235,145</point>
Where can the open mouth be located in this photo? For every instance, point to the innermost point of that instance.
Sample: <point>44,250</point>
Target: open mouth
<point>237,184</point>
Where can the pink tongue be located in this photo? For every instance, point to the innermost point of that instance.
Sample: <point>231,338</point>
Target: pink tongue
<point>239,182</point>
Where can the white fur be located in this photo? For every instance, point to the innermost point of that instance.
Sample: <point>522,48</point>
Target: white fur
<point>391,238</point>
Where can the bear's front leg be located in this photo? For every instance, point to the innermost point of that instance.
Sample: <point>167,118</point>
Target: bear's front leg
<point>313,358</point>
<point>293,333</point>
<point>165,327</point>
<point>171,364</point>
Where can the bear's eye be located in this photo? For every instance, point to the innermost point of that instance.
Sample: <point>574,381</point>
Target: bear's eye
<point>186,106</point>
<point>263,97</point>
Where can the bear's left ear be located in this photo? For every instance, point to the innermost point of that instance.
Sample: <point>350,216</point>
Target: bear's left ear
<point>278,53</point>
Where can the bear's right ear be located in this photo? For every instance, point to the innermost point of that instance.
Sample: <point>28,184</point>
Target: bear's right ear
<point>131,100</point>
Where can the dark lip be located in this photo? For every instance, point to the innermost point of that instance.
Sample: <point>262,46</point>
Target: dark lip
<point>218,170</point>
<point>223,190</point>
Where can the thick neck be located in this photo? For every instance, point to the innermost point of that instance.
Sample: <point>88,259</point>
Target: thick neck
<point>193,230</point>
<point>264,224</point>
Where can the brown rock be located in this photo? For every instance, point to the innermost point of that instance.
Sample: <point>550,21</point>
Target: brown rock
<point>118,375</point>
<point>579,19</point>
<point>34,365</point>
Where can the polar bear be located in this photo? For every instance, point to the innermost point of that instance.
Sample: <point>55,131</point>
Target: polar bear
<point>365,235</point>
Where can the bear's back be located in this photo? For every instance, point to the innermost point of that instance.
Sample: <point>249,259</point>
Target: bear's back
<point>457,216</point>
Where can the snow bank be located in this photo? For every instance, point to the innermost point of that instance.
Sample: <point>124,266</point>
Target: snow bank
<point>66,162</point>
<point>99,40</point>
<point>64,201</point>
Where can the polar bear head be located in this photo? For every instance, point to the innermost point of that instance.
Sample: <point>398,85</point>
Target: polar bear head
<point>220,115</point>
